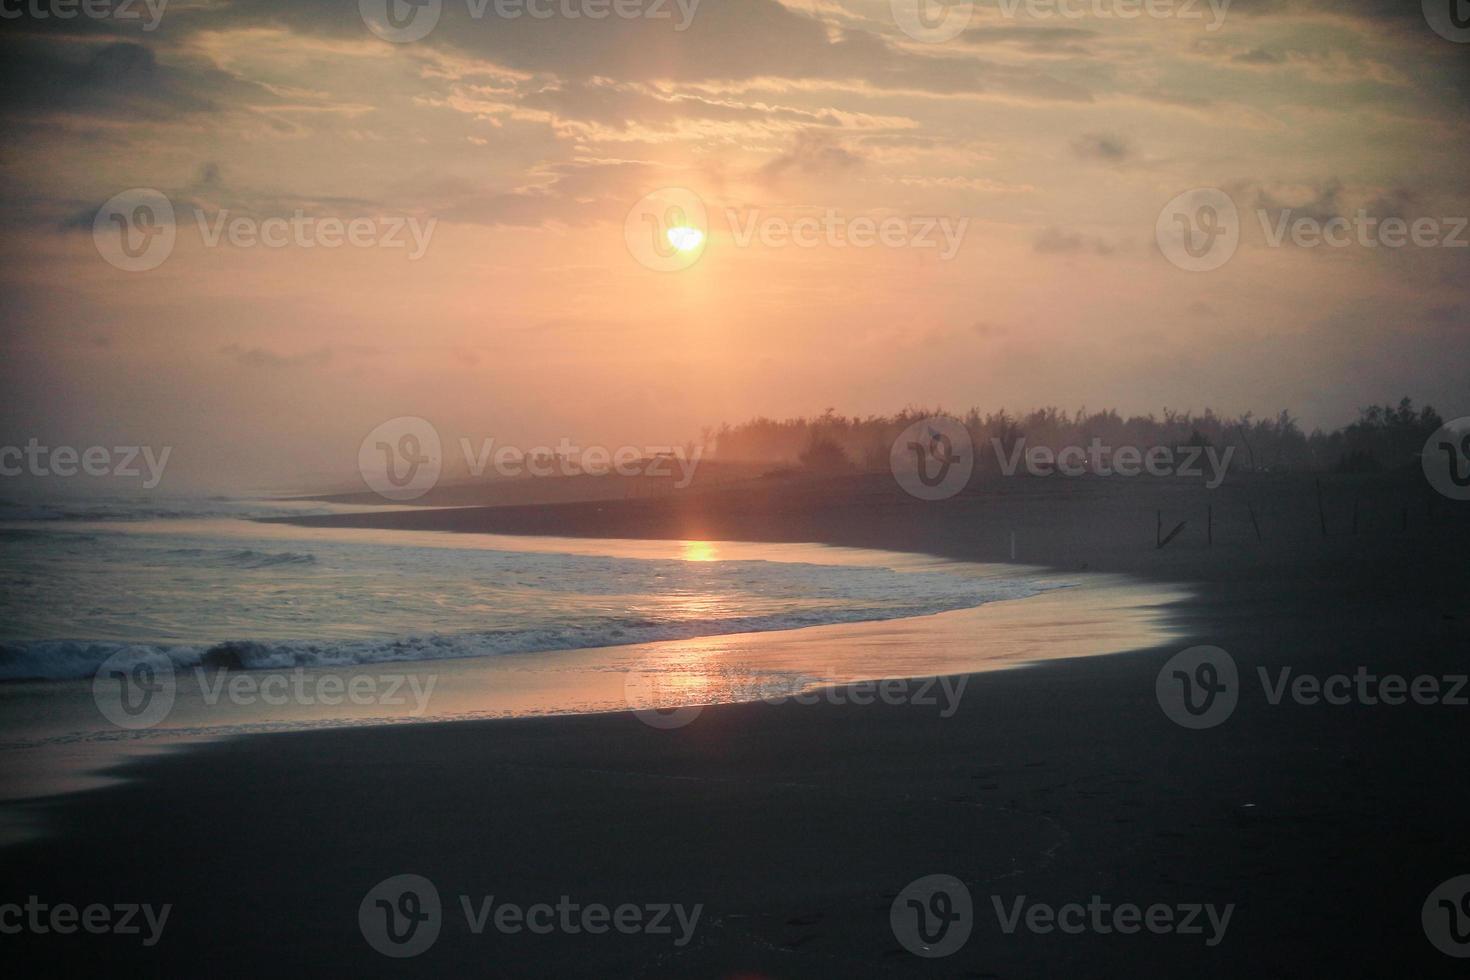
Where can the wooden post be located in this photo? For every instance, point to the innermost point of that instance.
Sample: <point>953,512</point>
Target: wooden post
<point>1173,534</point>
<point>1321,515</point>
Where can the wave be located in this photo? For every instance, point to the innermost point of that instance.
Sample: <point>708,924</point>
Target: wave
<point>212,557</point>
<point>79,659</point>
<point>243,557</point>
<point>34,534</point>
<point>129,510</point>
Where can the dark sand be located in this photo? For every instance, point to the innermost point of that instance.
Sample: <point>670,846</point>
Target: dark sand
<point>796,825</point>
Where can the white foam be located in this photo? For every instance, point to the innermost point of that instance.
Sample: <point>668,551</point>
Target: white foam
<point>70,659</point>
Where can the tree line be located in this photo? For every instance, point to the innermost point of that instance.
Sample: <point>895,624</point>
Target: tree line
<point>1384,437</point>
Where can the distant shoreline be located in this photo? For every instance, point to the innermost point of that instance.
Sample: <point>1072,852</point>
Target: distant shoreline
<point>1099,523</point>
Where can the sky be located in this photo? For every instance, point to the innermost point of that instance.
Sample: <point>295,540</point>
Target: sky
<point>896,206</point>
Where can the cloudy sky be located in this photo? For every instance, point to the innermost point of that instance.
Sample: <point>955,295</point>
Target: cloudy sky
<point>530,308</point>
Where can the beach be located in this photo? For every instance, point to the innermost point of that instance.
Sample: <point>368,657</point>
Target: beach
<point>793,827</point>
<point>745,489</point>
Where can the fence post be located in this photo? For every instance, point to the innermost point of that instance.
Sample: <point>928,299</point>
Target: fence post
<point>1321,515</point>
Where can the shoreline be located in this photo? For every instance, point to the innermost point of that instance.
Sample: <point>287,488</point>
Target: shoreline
<point>1027,521</point>
<point>54,743</point>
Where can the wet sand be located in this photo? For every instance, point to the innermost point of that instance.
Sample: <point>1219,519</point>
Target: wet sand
<point>795,825</point>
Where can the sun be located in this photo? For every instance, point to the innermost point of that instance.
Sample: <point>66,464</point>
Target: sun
<point>685,238</point>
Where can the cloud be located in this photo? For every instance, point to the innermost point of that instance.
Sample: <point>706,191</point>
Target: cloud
<point>210,195</point>
<point>1321,201</point>
<point>726,40</point>
<point>606,110</point>
<point>1038,40</point>
<point>1397,202</point>
<point>1259,56</point>
<point>1109,147</point>
<point>113,80</point>
<point>1396,13</point>
<point>572,193</point>
<point>259,357</point>
<point>814,154</point>
<point>1058,241</point>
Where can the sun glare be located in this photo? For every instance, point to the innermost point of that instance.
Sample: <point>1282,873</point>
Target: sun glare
<point>684,238</point>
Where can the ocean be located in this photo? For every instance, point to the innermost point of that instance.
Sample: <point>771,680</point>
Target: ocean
<point>203,583</point>
<point>134,625</point>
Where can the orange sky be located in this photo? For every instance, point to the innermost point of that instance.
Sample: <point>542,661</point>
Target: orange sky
<point>1052,142</point>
